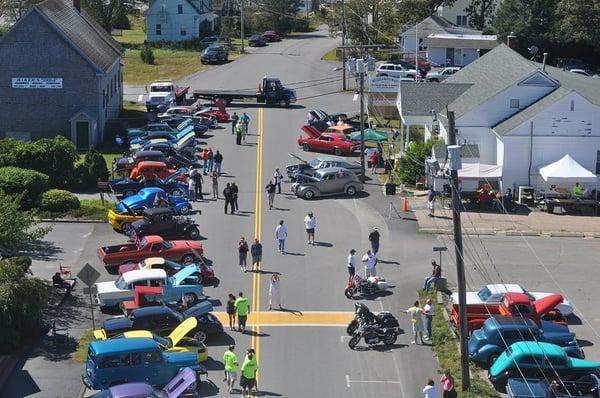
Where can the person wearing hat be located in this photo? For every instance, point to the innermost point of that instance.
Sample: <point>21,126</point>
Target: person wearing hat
<point>249,369</point>
<point>374,239</point>
<point>310,223</point>
<point>230,361</point>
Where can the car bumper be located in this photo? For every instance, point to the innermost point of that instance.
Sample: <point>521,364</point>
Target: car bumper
<point>86,382</point>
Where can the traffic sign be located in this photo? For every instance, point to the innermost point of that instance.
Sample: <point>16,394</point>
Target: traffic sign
<point>93,290</point>
<point>88,275</point>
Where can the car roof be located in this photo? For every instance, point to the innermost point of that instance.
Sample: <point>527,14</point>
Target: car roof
<point>333,170</point>
<point>130,389</point>
<point>504,288</point>
<point>158,210</point>
<point>522,348</point>
<point>143,274</point>
<point>517,298</point>
<point>499,321</point>
<point>151,163</point>
<point>154,261</point>
<point>153,239</point>
<point>149,311</point>
<point>329,158</point>
<point>100,347</point>
<point>148,153</point>
<point>148,191</point>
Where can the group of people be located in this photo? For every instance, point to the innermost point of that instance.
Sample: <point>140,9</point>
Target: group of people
<point>211,161</point>
<point>239,127</point>
<point>416,313</point>
<point>272,185</point>
<point>230,194</point>
<point>255,252</point>
<point>248,369</point>
<point>369,259</point>
<point>448,387</point>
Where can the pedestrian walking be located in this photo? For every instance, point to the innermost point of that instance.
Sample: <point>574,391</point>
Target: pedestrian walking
<point>205,161</point>
<point>270,188</point>
<point>243,253</point>
<point>351,263</point>
<point>239,130</point>
<point>416,313</point>
<point>234,192</point>
<point>431,202</point>
<point>191,189</point>
<point>428,311</point>
<point>241,309</point>
<point>199,181</point>
<point>215,184</point>
<point>280,235</point>
<point>234,121</point>
<point>256,253</point>
<point>370,261</point>
<point>249,369</point>
<point>231,366</point>
<point>274,292</point>
<point>373,161</point>
<point>429,389</point>
<point>218,159</point>
<point>231,311</point>
<point>228,195</point>
<point>245,119</point>
<point>277,178</point>
<point>374,239</point>
<point>310,223</point>
<point>210,158</point>
<point>448,387</point>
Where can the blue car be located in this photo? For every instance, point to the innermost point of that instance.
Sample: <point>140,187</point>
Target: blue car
<point>145,198</point>
<point>486,344</point>
<point>127,187</point>
<point>173,137</point>
<point>586,386</point>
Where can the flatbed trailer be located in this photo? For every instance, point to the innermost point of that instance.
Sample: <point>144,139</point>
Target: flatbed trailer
<point>269,91</point>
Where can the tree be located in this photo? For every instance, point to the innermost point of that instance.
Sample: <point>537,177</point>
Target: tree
<point>413,11</point>
<point>13,10</point>
<point>480,13</point>
<point>17,228</point>
<point>579,20</point>
<point>109,13</point>
<point>412,166</point>
<point>278,15</point>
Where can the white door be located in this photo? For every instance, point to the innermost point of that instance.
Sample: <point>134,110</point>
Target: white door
<point>458,57</point>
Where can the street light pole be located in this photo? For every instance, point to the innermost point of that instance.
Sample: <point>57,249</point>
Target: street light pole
<point>360,68</point>
<point>343,46</point>
<point>242,23</point>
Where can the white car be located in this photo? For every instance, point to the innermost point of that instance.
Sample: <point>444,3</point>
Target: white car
<point>492,294</point>
<point>394,70</point>
<point>445,73</point>
<point>113,293</point>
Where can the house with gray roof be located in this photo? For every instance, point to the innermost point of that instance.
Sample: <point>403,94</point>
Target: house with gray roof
<point>521,115</point>
<point>61,74</point>
<point>178,20</point>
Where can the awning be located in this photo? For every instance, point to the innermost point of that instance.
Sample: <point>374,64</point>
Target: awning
<point>566,170</point>
<point>480,171</point>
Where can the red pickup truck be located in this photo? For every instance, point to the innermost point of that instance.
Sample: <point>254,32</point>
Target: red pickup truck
<point>184,251</point>
<point>512,304</point>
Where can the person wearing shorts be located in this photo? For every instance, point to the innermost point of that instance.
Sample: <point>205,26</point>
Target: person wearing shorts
<point>310,223</point>
<point>242,309</point>
<point>416,313</point>
<point>231,366</point>
<point>249,369</point>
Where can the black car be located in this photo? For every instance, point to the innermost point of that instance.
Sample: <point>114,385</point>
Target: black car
<point>168,148</point>
<point>162,320</point>
<point>257,41</point>
<point>164,222</point>
<point>214,53</point>
<point>127,186</point>
<point>126,163</point>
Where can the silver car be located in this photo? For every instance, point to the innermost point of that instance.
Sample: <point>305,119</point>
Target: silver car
<point>328,181</point>
<point>320,162</point>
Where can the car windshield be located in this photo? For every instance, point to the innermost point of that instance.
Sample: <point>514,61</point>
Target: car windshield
<point>121,284</point>
<point>167,244</point>
<point>165,343</point>
<point>314,163</point>
<point>161,89</point>
<point>484,294</point>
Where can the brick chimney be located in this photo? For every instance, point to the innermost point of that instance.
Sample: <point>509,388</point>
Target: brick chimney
<point>77,5</point>
<point>512,41</point>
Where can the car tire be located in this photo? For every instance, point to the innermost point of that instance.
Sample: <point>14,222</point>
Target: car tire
<point>284,103</point>
<point>128,192</point>
<point>200,335</point>
<point>337,152</point>
<point>492,359</point>
<point>351,190</point>
<point>188,259</point>
<point>191,298</point>
<point>194,233</point>
<point>434,80</point>
<point>305,147</point>
<point>127,229</point>
<point>185,210</point>
<point>410,76</point>
<point>308,194</point>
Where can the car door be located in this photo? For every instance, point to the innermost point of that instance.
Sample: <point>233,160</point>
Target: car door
<point>322,143</point>
<point>327,183</point>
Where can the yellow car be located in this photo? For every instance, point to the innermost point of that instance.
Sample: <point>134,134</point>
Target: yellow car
<point>177,341</point>
<point>121,222</point>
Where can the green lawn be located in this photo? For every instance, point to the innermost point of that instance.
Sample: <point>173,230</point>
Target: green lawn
<point>168,65</point>
<point>331,55</point>
<point>80,354</point>
<point>90,209</point>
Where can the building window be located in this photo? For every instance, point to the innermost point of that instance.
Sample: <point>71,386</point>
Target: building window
<point>183,32</point>
<point>461,20</point>
<point>158,29</point>
<point>514,103</point>
<point>597,162</point>
<point>179,9</point>
<point>572,105</point>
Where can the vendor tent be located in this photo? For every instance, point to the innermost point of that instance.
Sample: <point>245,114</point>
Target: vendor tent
<point>566,170</point>
<point>370,135</point>
<point>480,171</point>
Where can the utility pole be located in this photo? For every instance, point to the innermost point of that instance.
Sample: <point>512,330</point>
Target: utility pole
<point>242,23</point>
<point>455,165</point>
<point>361,70</point>
<point>343,46</point>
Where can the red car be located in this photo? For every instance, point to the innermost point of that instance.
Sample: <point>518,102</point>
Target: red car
<point>186,251</point>
<point>151,169</point>
<point>271,36</point>
<point>326,142</point>
<point>220,113</point>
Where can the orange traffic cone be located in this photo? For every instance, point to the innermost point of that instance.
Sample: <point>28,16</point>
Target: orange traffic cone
<point>405,205</point>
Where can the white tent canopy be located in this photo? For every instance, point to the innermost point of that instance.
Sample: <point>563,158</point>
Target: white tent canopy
<point>566,170</point>
<point>480,171</point>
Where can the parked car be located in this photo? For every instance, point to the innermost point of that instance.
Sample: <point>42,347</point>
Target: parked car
<point>120,361</point>
<point>486,344</point>
<point>125,164</point>
<point>271,36</point>
<point>126,186</point>
<point>162,320</point>
<point>587,386</point>
<point>183,139</point>
<point>183,382</point>
<point>207,272</point>
<point>172,134</point>
<point>214,53</point>
<point>321,162</point>
<point>395,71</point>
<point>163,221</point>
<point>209,40</point>
<point>322,120</point>
<point>257,41</point>
<point>538,360</point>
<point>328,181</point>
<point>149,169</point>
<point>186,282</point>
<point>182,110</point>
<point>136,132</point>
<point>445,73</point>
<point>186,251</point>
<point>345,129</point>
<point>424,66</point>
<point>220,114</point>
<point>327,142</point>
<point>492,295</point>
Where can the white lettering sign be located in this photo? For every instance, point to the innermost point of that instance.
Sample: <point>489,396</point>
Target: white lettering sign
<point>37,82</point>
<point>384,84</point>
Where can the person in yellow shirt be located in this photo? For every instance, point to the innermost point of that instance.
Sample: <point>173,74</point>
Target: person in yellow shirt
<point>231,366</point>
<point>577,190</point>
<point>249,369</point>
<point>416,313</point>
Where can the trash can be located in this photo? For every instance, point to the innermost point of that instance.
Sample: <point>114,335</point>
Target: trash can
<point>390,188</point>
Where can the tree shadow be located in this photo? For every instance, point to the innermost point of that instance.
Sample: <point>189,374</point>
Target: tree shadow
<point>26,383</point>
<point>41,250</point>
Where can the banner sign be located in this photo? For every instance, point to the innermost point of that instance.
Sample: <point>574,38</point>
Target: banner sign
<point>37,82</point>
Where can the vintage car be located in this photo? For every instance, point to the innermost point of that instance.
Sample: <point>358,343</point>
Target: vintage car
<point>486,344</point>
<point>186,251</point>
<point>150,170</point>
<point>171,267</point>
<point>167,147</point>
<point>492,295</point>
<point>182,140</point>
<point>136,132</point>
<point>126,186</point>
<point>119,361</point>
<point>164,222</point>
<point>512,304</point>
<point>587,386</point>
<point>182,130</point>
<point>185,283</point>
<point>538,360</point>
<point>326,142</point>
<point>162,320</point>
<point>271,36</point>
<point>201,125</point>
<point>326,182</point>
<point>216,53</point>
<point>185,381</point>
<point>126,163</point>
<point>320,162</point>
<point>345,129</point>
<point>220,114</point>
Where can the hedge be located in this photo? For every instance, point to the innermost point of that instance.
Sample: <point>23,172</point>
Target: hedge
<point>29,184</point>
<point>58,200</point>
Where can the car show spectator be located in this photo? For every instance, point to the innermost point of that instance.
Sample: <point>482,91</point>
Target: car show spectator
<point>277,178</point>
<point>228,195</point>
<point>448,387</point>
<point>374,239</point>
<point>280,235</point>
<point>215,184</point>
<point>428,311</point>
<point>230,362</point>
<point>256,253</point>
<point>234,121</point>
<point>243,253</point>
<point>242,308</point>
<point>249,369</point>
<point>191,188</point>
<point>416,318</point>
<point>239,130</point>
<point>274,292</point>
<point>351,263</point>
<point>429,390</point>
<point>310,223</point>
<point>270,188</point>
<point>234,192</point>
<point>431,202</point>
<point>231,311</point>
<point>209,160</point>
<point>370,262</point>
<point>59,282</point>
<point>436,273</point>
<point>218,159</point>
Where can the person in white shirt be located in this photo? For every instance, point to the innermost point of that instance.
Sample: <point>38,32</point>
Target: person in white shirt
<point>351,263</point>
<point>310,222</point>
<point>430,390</point>
<point>428,311</point>
<point>280,235</point>
<point>277,178</point>
<point>370,261</point>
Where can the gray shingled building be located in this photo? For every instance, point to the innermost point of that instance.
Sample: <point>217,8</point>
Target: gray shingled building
<point>61,74</point>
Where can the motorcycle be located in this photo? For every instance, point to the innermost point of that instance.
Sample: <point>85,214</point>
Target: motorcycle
<point>365,287</point>
<point>374,328</point>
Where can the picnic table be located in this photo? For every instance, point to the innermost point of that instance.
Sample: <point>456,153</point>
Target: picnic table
<point>571,203</point>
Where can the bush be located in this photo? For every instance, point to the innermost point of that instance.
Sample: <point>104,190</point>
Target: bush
<point>58,200</point>
<point>27,184</point>
<point>412,164</point>
<point>121,21</point>
<point>91,170</point>
<point>147,55</point>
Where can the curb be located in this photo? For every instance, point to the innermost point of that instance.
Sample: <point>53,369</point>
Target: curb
<point>522,233</point>
<point>491,232</point>
<point>561,234</point>
<point>71,221</point>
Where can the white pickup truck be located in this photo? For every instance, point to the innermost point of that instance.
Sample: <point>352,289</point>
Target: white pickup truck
<point>164,94</point>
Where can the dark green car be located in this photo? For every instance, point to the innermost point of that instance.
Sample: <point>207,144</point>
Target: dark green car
<point>214,54</point>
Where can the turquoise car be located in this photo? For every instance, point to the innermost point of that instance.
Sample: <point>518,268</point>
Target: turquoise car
<point>113,362</point>
<point>538,360</point>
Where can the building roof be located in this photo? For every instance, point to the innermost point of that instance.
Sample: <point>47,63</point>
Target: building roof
<point>82,32</point>
<point>436,24</point>
<point>455,40</point>
<point>418,99</point>
<point>467,151</point>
